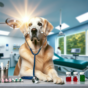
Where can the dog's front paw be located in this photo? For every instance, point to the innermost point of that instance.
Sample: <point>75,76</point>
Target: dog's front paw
<point>46,78</point>
<point>58,80</point>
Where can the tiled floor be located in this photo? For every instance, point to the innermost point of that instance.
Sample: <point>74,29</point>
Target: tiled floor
<point>11,71</point>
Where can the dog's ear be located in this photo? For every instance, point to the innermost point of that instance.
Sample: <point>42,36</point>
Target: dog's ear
<point>48,27</point>
<point>24,28</point>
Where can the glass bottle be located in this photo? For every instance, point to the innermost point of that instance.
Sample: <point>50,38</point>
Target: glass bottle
<point>68,76</point>
<point>75,76</point>
<point>82,77</point>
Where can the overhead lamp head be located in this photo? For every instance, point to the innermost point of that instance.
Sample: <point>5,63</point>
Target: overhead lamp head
<point>13,23</point>
<point>61,34</point>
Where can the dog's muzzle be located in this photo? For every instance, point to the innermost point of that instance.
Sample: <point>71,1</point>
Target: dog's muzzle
<point>34,34</point>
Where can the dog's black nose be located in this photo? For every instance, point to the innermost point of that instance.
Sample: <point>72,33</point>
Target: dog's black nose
<point>34,30</point>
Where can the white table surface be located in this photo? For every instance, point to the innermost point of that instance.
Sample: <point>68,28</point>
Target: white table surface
<point>29,84</point>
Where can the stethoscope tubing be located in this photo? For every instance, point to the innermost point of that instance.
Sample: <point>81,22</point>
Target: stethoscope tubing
<point>31,77</point>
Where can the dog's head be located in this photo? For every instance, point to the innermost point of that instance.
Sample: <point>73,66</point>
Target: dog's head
<point>37,27</point>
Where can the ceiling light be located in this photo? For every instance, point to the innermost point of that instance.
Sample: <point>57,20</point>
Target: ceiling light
<point>51,33</point>
<point>83,17</point>
<point>4,33</point>
<point>25,19</point>
<point>63,26</point>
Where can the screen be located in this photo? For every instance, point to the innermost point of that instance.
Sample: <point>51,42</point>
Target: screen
<point>75,50</point>
<point>1,55</point>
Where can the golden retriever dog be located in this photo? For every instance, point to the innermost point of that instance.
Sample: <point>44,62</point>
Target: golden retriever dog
<point>44,67</point>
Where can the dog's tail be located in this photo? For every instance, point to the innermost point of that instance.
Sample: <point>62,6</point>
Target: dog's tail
<point>17,67</point>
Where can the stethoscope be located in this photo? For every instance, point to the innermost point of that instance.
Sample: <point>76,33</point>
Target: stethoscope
<point>33,78</point>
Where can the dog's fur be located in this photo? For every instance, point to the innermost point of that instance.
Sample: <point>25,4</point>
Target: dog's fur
<point>44,68</point>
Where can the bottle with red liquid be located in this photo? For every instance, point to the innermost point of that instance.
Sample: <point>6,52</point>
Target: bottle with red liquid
<point>68,76</point>
<point>75,77</point>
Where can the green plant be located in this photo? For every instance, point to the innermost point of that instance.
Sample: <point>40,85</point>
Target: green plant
<point>76,41</point>
<point>61,44</point>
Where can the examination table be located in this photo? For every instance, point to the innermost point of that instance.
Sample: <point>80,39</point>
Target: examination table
<point>29,84</point>
<point>76,65</point>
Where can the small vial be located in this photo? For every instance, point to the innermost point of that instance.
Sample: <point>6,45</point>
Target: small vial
<point>10,80</point>
<point>20,79</point>
<point>2,80</point>
<point>6,80</point>
<point>16,80</point>
<point>75,76</point>
<point>68,76</point>
<point>82,77</point>
<point>13,80</point>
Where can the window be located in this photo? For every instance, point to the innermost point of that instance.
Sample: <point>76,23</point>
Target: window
<point>76,41</point>
<point>61,44</point>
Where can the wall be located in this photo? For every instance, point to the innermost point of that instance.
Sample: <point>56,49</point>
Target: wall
<point>53,37</point>
<point>51,40</point>
<point>11,41</point>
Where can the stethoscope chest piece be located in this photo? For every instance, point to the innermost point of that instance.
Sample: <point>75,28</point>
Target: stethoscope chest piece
<point>35,80</point>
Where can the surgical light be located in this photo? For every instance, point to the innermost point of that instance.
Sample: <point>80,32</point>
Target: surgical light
<point>13,23</point>
<point>60,33</point>
<point>25,19</point>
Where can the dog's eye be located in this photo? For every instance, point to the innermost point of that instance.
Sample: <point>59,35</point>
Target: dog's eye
<point>30,24</point>
<point>40,24</point>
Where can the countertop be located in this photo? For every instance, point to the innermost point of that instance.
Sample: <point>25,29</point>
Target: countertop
<point>29,84</point>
